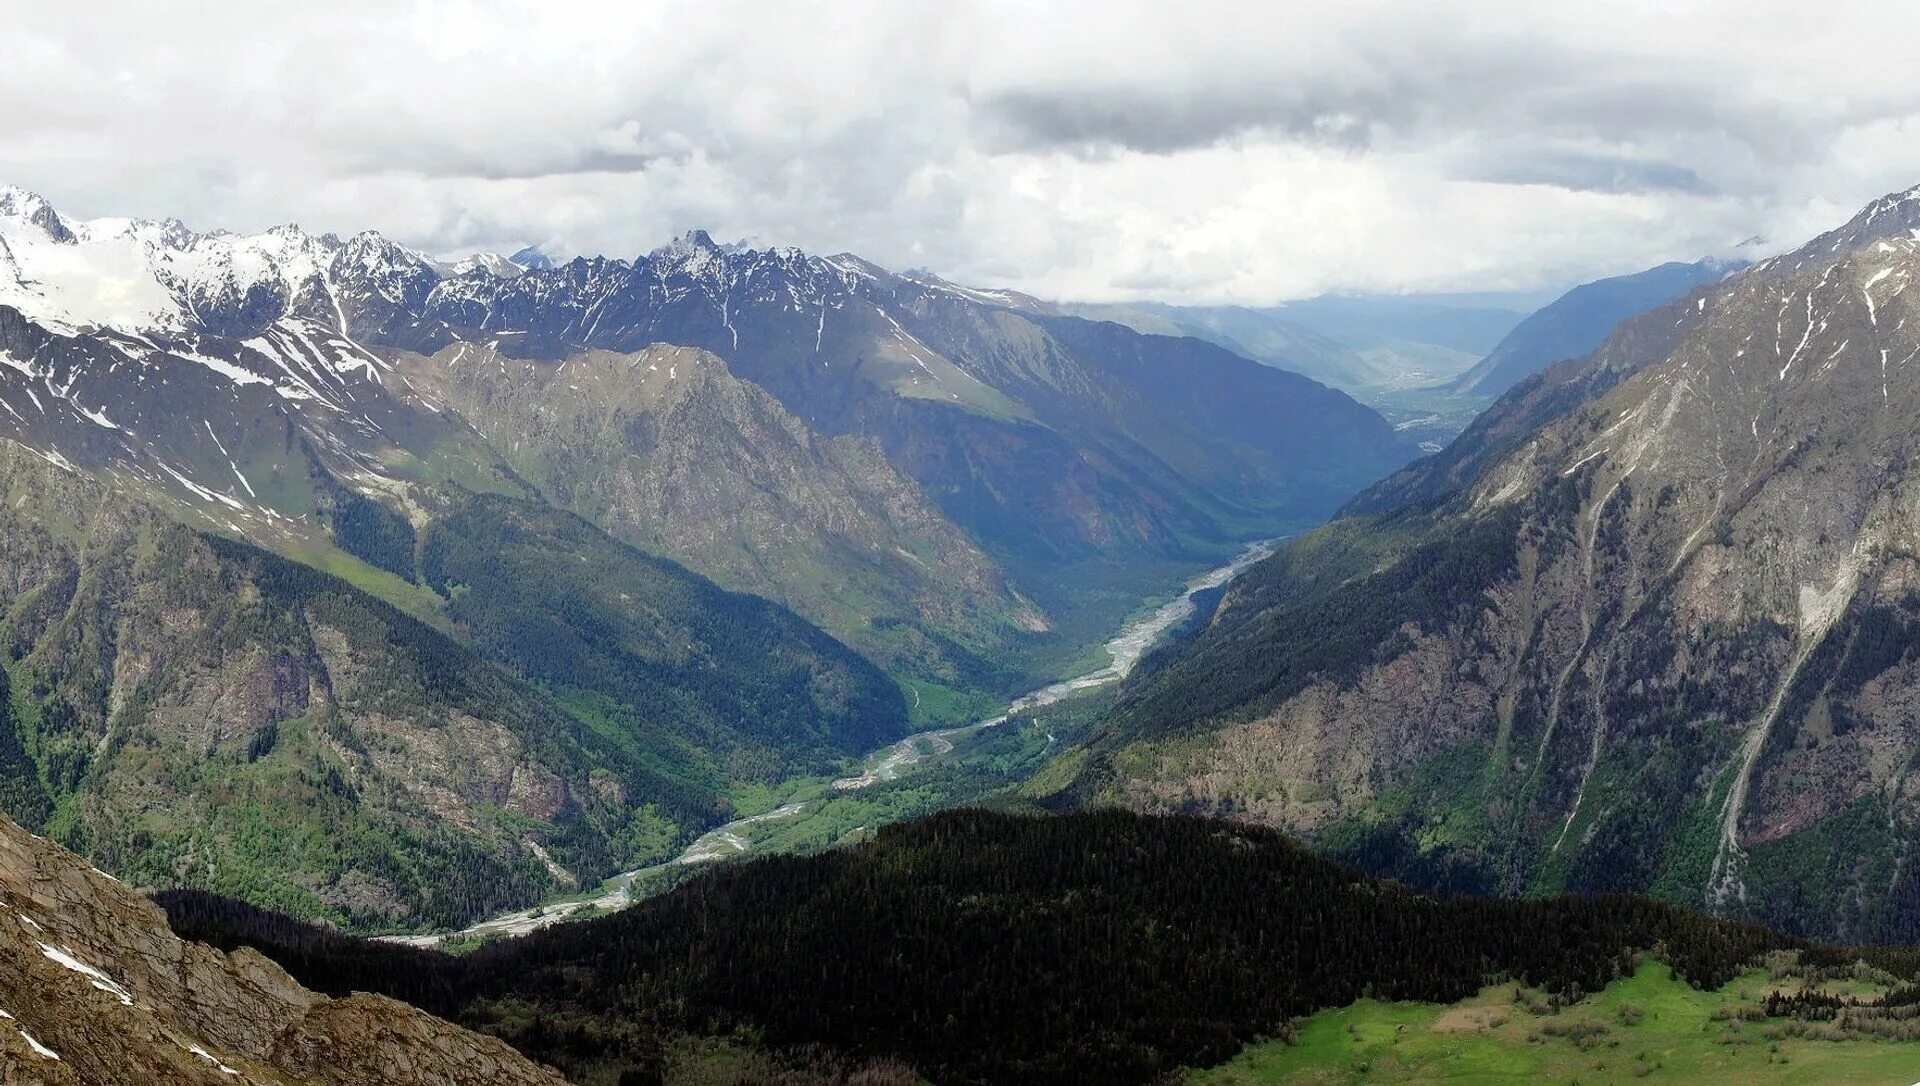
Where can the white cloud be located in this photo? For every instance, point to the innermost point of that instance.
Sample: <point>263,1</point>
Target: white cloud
<point>1190,151</point>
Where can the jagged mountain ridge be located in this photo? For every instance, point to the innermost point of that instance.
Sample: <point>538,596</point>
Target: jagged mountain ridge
<point>289,439</point>
<point>1648,625</point>
<point>920,339</point>
<point>1042,438</point>
<point>1049,445</point>
<point>252,433</point>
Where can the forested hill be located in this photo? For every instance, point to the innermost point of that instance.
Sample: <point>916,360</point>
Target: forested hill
<point>980,947</point>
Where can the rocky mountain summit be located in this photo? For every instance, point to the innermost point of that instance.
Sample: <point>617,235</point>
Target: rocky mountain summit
<point>95,990</point>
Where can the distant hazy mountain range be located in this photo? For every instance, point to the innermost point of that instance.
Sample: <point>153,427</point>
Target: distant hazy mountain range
<point>1361,343</point>
<point>1577,322</point>
<point>1370,345</point>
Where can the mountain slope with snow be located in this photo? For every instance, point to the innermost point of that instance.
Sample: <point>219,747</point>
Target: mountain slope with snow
<point>1047,441</point>
<point>96,989</point>
<point>1650,625</point>
<point>1086,465</point>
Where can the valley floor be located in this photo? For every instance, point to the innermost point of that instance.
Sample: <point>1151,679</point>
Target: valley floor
<point>1651,1027</point>
<point>1429,417</point>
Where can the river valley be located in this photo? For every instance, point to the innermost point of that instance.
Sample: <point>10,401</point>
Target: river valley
<point>887,764</point>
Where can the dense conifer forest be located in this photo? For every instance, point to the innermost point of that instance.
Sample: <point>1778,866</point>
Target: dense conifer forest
<point>1098,947</point>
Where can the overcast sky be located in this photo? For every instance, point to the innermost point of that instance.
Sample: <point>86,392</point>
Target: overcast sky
<point>1172,149</point>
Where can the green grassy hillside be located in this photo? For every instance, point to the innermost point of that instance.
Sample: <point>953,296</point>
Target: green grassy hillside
<point>1649,1027</point>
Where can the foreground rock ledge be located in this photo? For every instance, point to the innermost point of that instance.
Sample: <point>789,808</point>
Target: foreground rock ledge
<point>96,990</point>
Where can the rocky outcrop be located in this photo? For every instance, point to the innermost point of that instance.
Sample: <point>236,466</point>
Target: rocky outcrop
<point>95,990</point>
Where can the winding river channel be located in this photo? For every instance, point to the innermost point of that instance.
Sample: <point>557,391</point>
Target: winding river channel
<point>886,764</point>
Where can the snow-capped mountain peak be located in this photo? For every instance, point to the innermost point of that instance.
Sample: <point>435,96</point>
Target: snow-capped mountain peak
<point>693,254</point>
<point>30,208</point>
<point>371,251</point>
<point>690,242</point>
<point>161,234</point>
<point>147,277</point>
<point>493,264</point>
<point>51,275</point>
<point>1894,217</point>
<point>532,259</point>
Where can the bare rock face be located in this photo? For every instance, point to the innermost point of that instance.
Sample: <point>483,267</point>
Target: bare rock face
<point>95,990</point>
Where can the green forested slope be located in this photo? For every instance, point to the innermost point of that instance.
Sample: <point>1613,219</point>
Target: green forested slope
<point>677,666</point>
<point>982,947</point>
<point>187,710</point>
